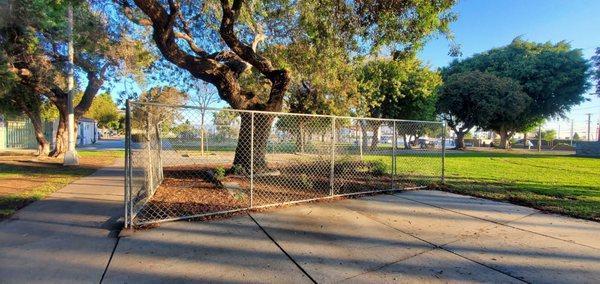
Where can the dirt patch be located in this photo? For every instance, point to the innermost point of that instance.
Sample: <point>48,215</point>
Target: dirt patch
<point>193,190</point>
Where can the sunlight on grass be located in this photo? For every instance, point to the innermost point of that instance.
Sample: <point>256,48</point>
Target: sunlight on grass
<point>556,183</point>
<point>52,177</point>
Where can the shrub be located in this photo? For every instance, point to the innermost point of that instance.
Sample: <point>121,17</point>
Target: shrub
<point>306,183</point>
<point>378,168</point>
<point>219,173</point>
<point>238,170</point>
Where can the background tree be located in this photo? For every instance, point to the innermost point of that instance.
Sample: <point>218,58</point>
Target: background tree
<point>548,135</point>
<point>400,89</point>
<point>161,117</point>
<point>219,43</point>
<point>103,109</point>
<point>203,97</point>
<point>23,66</point>
<point>553,76</point>
<point>34,46</point>
<point>510,111</point>
<point>224,122</point>
<point>468,100</point>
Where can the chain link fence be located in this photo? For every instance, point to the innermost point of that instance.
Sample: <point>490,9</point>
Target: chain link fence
<point>188,162</point>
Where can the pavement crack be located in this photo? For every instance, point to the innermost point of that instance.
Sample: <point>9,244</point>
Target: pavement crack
<point>505,224</point>
<point>435,246</point>
<point>112,253</point>
<point>281,248</point>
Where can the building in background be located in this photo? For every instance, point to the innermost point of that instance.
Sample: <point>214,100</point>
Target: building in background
<point>18,132</point>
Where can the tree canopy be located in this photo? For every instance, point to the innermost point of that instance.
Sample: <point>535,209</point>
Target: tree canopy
<point>479,99</point>
<point>239,46</point>
<point>554,78</point>
<point>33,41</point>
<point>554,75</point>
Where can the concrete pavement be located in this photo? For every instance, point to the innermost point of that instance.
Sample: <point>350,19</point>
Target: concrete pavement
<point>413,236</point>
<point>105,144</point>
<point>67,237</point>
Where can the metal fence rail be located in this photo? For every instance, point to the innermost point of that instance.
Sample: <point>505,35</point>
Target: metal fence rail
<point>188,162</point>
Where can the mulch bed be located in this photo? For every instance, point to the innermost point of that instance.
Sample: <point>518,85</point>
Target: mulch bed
<point>192,189</point>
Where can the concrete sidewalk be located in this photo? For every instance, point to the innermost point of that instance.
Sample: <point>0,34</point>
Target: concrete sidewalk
<point>413,236</point>
<point>67,237</point>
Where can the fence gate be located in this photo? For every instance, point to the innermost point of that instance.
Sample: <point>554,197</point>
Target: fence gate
<point>188,162</point>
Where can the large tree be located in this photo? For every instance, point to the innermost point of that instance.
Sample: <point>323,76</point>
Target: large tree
<point>553,75</point>
<point>477,99</point>
<point>34,41</point>
<point>224,42</point>
<point>403,88</point>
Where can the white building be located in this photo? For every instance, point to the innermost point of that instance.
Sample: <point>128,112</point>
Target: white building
<point>87,131</point>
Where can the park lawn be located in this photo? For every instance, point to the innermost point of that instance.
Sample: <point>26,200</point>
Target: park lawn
<point>562,184</point>
<point>25,179</point>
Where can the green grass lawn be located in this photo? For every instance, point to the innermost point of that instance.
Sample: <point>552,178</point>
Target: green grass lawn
<point>44,176</point>
<point>563,184</point>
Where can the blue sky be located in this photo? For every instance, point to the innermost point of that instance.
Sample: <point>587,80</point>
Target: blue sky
<point>484,24</point>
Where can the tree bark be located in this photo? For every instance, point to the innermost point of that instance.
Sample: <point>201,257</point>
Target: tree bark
<point>34,116</point>
<point>243,152</point>
<point>504,139</point>
<point>62,138</point>
<point>460,140</point>
<point>407,143</point>
<point>365,136</point>
<point>375,140</point>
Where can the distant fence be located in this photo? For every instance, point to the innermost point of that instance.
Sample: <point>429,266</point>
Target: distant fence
<point>20,134</point>
<point>187,162</point>
<point>587,148</point>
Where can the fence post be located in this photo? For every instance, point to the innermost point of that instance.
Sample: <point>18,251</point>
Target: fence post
<point>126,196</point>
<point>251,159</point>
<point>394,157</point>
<point>443,152</point>
<point>332,169</point>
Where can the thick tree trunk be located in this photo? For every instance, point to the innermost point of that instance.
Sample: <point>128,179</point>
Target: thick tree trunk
<point>504,139</point>
<point>375,140</point>
<point>460,140</point>
<point>62,138</point>
<point>34,116</point>
<point>43,145</point>
<point>262,129</point>
<point>407,144</point>
<point>300,138</point>
<point>62,135</point>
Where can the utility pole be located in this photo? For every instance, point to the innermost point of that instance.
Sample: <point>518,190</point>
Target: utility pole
<point>571,132</point>
<point>71,158</point>
<point>589,115</point>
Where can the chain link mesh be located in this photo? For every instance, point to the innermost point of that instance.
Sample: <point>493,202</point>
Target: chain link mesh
<point>186,162</point>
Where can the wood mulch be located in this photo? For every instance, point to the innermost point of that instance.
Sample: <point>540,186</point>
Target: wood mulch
<point>192,190</point>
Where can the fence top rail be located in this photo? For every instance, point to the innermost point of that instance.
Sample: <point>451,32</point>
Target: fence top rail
<point>280,113</point>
